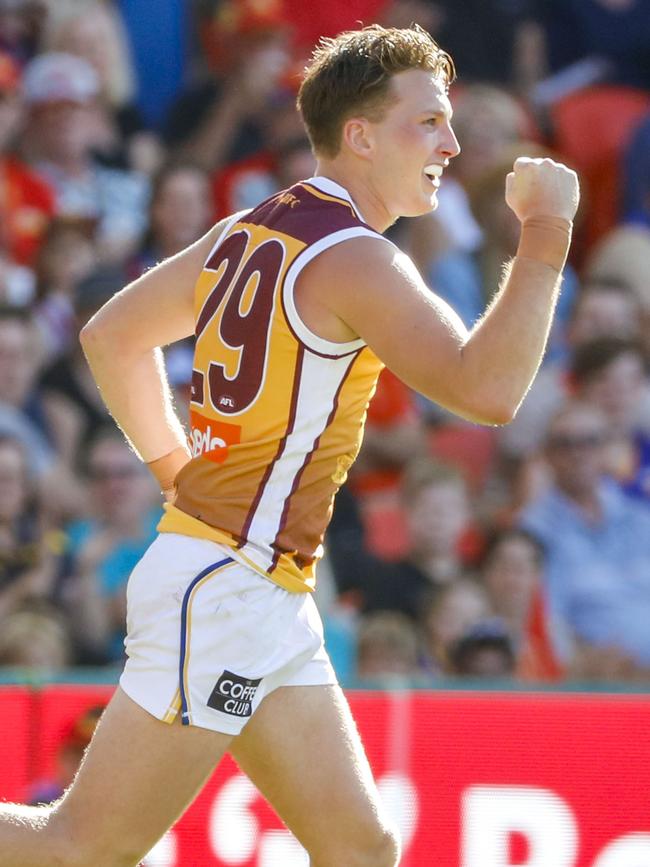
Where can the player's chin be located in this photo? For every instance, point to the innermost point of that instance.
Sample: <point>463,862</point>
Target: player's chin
<point>423,205</point>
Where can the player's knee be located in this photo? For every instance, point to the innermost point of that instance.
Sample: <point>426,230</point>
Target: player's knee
<point>378,846</point>
<point>71,846</point>
<point>383,850</point>
<point>79,853</point>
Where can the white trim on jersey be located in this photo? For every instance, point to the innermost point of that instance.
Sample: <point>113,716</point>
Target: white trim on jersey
<point>320,379</point>
<point>231,222</point>
<point>331,188</point>
<point>311,340</point>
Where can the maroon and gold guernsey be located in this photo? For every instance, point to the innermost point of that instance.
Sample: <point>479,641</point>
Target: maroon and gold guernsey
<point>277,412</point>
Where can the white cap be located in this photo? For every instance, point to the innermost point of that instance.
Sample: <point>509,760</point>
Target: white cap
<point>59,77</point>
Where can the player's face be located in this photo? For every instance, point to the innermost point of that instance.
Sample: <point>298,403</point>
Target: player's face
<point>412,144</point>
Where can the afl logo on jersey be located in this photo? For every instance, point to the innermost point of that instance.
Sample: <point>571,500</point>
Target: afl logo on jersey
<point>227,402</point>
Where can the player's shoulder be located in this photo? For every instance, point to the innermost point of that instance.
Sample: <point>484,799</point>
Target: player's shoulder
<point>361,250</point>
<point>361,259</point>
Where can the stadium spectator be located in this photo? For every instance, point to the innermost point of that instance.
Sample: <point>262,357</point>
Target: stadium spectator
<point>35,637</point>
<point>294,160</point>
<point>597,40</point>
<point>395,434</point>
<point>106,545</point>
<point>636,190</point>
<point>67,256</point>
<point>180,211</point>
<point>66,382</point>
<point>283,157</point>
<point>484,651</point>
<point>26,200</point>
<point>21,26</point>
<point>446,616</point>
<point>603,309</point>
<point>623,256</point>
<point>221,118</point>
<point>437,514</point>
<point>387,651</point>
<point>22,412</point>
<point>512,57</point>
<point>61,92</point>
<point>28,562</point>
<point>98,36</point>
<point>512,574</point>
<point>27,414</point>
<point>598,549</point>
<point>309,22</point>
<point>610,373</point>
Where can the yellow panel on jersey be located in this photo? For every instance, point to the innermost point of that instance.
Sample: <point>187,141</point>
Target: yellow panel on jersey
<point>277,412</point>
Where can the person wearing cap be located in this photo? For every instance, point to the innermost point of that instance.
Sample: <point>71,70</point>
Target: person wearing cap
<point>26,200</point>
<point>484,650</point>
<point>60,90</point>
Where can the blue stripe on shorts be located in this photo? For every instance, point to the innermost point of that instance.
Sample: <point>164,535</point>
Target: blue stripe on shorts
<point>186,597</point>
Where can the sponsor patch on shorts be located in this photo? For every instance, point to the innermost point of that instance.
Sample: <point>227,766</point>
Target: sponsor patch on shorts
<point>234,694</point>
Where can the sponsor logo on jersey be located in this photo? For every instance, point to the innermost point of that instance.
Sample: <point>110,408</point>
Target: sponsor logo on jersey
<point>234,694</point>
<point>211,438</point>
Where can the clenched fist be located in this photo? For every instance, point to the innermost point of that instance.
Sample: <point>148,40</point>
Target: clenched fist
<point>542,188</point>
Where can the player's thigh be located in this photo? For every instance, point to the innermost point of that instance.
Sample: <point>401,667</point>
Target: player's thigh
<point>136,779</point>
<point>303,752</point>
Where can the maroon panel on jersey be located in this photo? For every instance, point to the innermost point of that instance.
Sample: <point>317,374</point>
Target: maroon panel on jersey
<point>304,215</point>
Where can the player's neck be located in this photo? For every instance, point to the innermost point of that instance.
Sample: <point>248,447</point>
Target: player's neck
<point>371,207</point>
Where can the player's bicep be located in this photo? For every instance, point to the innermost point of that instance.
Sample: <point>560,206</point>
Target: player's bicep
<point>158,307</point>
<point>413,331</point>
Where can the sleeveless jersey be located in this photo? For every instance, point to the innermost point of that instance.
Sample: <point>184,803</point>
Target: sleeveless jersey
<point>276,412</point>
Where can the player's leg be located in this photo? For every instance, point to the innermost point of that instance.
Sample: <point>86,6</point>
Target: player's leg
<point>302,750</point>
<point>137,777</point>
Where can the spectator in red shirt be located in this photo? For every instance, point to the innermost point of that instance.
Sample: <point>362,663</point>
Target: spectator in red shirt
<point>26,201</point>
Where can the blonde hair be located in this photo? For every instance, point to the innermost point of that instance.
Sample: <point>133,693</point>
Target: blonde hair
<point>391,632</point>
<point>623,255</point>
<point>351,74</point>
<point>117,76</point>
<point>422,473</point>
<point>34,637</point>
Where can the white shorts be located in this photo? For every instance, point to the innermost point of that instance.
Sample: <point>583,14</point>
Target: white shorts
<point>210,637</point>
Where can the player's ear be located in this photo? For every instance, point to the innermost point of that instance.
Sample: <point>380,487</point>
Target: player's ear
<point>357,136</point>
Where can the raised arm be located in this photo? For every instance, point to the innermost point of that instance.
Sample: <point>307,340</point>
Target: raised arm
<point>482,374</point>
<point>122,344</point>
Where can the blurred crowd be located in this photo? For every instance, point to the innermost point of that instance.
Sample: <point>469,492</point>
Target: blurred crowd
<point>519,553</point>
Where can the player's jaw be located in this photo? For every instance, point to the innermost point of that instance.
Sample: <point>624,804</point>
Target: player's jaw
<point>418,194</point>
<point>406,187</point>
